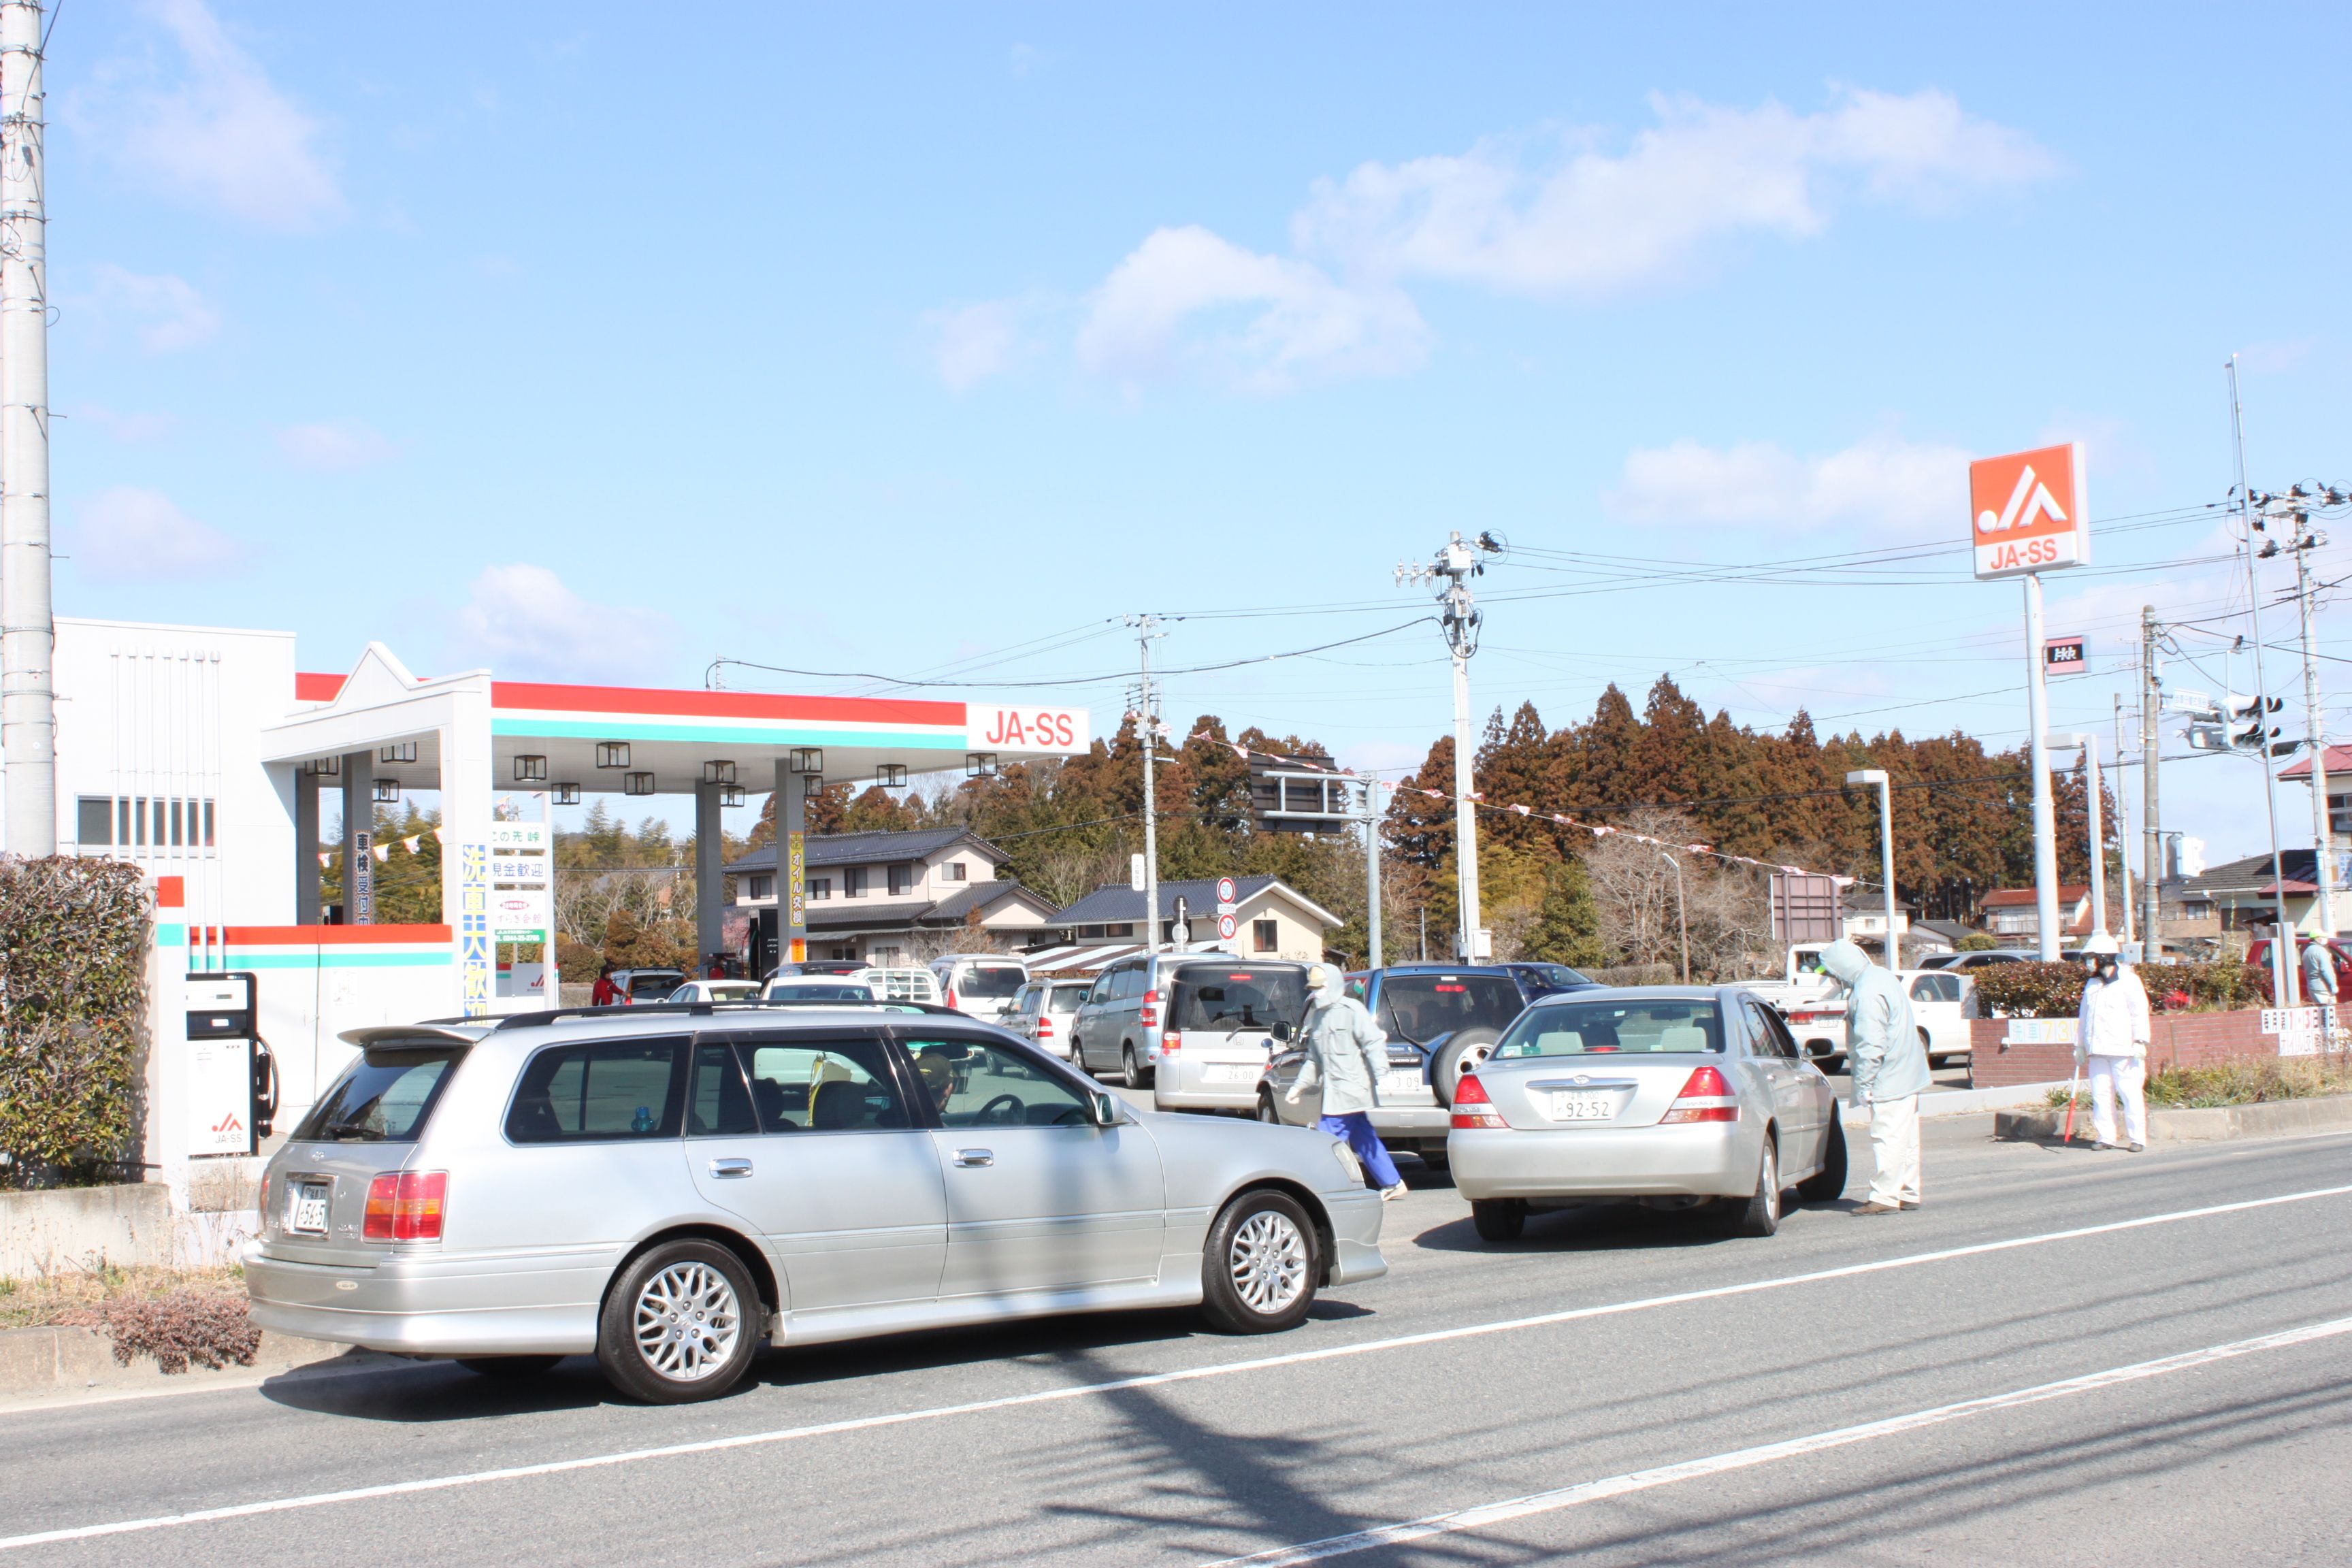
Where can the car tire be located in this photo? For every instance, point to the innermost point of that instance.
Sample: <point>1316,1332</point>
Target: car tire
<point>1499,1219</point>
<point>1133,1074</point>
<point>1758,1214</point>
<point>508,1366</point>
<point>1265,1108</point>
<point>681,1322</point>
<point>1436,1159</point>
<point>1259,1269</point>
<point>1464,1052</point>
<point>1827,1185</point>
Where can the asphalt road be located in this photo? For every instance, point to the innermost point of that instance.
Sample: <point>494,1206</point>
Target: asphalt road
<point>1946,1385</point>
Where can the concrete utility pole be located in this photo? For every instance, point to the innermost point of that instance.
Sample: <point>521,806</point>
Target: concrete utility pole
<point>2306,540</point>
<point>2045,811</point>
<point>2123,820</point>
<point>1455,564</point>
<point>1373,954</point>
<point>28,743</point>
<point>2283,965</point>
<point>1147,705</point>
<point>1862,778</point>
<point>1681,913</point>
<point>2151,702</point>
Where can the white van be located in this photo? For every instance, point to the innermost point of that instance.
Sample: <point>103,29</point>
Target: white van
<point>897,984</point>
<point>983,984</point>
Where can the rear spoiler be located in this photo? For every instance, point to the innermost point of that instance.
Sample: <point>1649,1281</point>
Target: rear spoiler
<point>412,1034</point>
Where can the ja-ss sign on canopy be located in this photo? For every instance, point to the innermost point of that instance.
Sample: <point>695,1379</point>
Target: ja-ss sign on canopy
<point>2030,512</point>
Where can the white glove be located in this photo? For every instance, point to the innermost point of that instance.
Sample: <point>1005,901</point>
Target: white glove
<point>1296,1091</point>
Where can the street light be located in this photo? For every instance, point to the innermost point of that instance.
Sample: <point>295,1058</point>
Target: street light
<point>1858,779</point>
<point>1682,912</point>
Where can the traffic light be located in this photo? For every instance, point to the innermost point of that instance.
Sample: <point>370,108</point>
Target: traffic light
<point>2250,729</point>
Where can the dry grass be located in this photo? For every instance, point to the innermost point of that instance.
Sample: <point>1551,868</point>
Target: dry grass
<point>80,1296</point>
<point>2249,1082</point>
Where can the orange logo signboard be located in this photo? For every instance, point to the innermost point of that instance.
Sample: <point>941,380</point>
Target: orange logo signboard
<point>2029,511</point>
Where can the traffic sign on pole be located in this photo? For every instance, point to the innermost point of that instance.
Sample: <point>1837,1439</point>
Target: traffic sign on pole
<point>1227,926</point>
<point>1228,896</point>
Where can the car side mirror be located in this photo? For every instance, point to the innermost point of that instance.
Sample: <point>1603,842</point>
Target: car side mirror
<point>1104,1107</point>
<point>1280,1029</point>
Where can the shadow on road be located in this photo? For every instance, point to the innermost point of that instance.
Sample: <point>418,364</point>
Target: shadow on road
<point>1608,1226</point>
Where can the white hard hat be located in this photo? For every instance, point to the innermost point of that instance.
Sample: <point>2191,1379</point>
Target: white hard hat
<point>2101,943</point>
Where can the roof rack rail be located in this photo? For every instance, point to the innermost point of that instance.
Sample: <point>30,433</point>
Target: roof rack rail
<point>707,1009</point>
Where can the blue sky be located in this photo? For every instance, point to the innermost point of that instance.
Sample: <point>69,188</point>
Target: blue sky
<point>593,342</point>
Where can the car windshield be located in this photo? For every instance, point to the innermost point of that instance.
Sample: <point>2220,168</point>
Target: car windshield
<point>730,990</point>
<point>1663,1024</point>
<point>1231,998</point>
<point>993,983</point>
<point>1421,1007</point>
<point>1558,976</point>
<point>383,1099</point>
<point>819,991</point>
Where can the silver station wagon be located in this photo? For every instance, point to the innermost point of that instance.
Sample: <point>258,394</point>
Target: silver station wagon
<point>673,1188</point>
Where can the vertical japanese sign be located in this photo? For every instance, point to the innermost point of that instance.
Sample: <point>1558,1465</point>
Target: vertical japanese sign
<point>477,960</point>
<point>359,880</point>
<point>796,898</point>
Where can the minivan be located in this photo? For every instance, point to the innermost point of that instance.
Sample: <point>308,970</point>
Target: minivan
<point>980,984</point>
<point>1197,1027</point>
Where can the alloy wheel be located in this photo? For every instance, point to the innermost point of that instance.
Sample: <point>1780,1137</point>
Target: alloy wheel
<point>687,1321</point>
<point>1268,1261</point>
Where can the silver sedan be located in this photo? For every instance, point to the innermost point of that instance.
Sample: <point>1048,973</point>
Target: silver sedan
<point>672,1189</point>
<point>1674,1095</point>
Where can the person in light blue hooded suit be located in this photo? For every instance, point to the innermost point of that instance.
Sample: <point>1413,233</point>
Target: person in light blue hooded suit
<point>1889,1069</point>
<point>1347,1053</point>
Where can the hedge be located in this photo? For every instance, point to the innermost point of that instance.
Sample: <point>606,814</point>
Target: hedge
<point>2028,990</point>
<point>73,998</point>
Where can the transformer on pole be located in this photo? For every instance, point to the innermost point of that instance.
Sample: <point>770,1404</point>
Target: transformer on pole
<point>1455,563</point>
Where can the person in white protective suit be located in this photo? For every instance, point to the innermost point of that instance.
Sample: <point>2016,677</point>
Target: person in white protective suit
<point>1346,1052</point>
<point>1889,1069</point>
<point>2111,1036</point>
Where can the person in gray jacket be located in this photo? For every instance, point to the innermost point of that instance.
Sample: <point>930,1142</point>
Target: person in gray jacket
<point>1347,1053</point>
<point>1889,1069</point>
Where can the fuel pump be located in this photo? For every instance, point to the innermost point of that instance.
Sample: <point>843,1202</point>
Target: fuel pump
<point>232,1077</point>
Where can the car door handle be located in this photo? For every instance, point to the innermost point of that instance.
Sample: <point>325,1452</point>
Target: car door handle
<point>969,1157</point>
<point>723,1169</point>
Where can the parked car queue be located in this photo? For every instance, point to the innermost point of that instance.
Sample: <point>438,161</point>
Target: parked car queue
<point>673,1186</point>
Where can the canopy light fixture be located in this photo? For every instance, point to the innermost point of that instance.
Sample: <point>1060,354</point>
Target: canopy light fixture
<point>387,792</point>
<point>891,776</point>
<point>530,770</point>
<point>806,760</point>
<point>405,751</point>
<point>612,754</point>
<point>730,794</point>
<point>324,767</point>
<point>565,795</point>
<point>638,783</point>
<point>719,772</point>
<point>812,786</point>
<point>979,764</point>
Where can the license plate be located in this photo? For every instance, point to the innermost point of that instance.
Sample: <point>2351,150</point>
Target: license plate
<point>1406,1082</point>
<point>1583,1107</point>
<point>1231,1072</point>
<point>307,1211</point>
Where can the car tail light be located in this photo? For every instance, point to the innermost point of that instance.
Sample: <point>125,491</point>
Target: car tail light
<point>951,1001</point>
<point>1044,1027</point>
<point>1705,1098</point>
<point>406,1206</point>
<point>1151,1008</point>
<point>1170,1041</point>
<point>1471,1106</point>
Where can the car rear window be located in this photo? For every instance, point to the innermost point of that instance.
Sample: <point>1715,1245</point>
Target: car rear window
<point>1423,1008</point>
<point>820,991</point>
<point>599,1091</point>
<point>655,982</point>
<point>993,983</point>
<point>385,1097</point>
<point>1666,1024</point>
<point>1233,997</point>
<point>1067,998</point>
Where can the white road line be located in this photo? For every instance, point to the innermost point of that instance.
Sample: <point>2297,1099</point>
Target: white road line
<point>1692,1469</point>
<point>1148,1380</point>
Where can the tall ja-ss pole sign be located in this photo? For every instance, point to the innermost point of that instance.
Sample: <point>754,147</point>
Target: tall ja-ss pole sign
<point>2029,516</point>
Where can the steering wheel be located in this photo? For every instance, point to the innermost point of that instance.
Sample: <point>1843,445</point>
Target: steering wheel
<point>1012,1105</point>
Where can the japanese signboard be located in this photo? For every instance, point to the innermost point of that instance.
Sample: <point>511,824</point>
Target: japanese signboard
<point>2065,655</point>
<point>2028,512</point>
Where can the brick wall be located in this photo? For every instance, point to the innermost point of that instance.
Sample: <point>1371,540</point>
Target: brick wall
<point>2179,1039</point>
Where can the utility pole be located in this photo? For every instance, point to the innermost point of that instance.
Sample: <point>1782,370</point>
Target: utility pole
<point>2283,965</point>
<point>1681,913</point>
<point>2305,541</point>
<point>2045,811</point>
<point>1867,778</point>
<point>28,740</point>
<point>1146,706</point>
<point>2151,702</point>
<point>1455,563</point>
<point>2123,820</point>
<point>1373,954</point>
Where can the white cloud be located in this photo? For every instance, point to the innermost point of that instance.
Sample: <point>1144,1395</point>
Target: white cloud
<point>126,534</point>
<point>337,446</point>
<point>222,135</point>
<point>1272,322</point>
<point>524,622</point>
<point>1900,489</point>
<point>971,342</point>
<point>165,312</point>
<point>130,430</point>
<point>1599,223</point>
